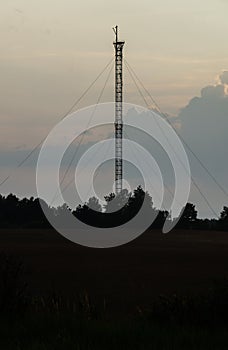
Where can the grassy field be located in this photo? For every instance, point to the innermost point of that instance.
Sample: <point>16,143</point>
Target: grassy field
<point>131,275</point>
<point>83,298</point>
<point>98,335</point>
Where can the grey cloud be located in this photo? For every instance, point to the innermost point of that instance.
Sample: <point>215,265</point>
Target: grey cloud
<point>204,125</point>
<point>213,91</point>
<point>224,77</point>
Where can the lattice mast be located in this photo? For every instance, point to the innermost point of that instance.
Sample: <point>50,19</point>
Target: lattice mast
<point>118,45</point>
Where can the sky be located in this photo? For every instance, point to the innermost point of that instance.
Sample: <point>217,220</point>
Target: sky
<point>52,50</point>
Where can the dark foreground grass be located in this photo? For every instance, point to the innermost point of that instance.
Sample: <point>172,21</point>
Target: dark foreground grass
<point>53,322</point>
<point>64,333</point>
<point>171,323</point>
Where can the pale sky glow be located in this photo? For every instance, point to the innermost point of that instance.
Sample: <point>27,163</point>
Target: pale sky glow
<point>51,50</point>
<point>48,47</point>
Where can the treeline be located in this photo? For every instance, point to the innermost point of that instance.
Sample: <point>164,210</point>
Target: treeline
<point>27,213</point>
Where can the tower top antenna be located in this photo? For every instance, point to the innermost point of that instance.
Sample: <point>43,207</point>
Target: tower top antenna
<point>115,30</point>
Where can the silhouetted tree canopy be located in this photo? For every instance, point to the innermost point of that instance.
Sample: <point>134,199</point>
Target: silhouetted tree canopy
<point>188,216</point>
<point>224,218</point>
<point>118,209</point>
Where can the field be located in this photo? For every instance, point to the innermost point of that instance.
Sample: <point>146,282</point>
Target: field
<point>159,292</point>
<point>124,278</point>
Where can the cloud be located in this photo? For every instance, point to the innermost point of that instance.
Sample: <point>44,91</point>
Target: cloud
<point>213,91</point>
<point>204,125</point>
<point>224,77</point>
